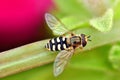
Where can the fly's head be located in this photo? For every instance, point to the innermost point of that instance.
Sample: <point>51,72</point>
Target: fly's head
<point>84,39</point>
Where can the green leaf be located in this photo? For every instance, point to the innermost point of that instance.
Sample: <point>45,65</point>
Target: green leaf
<point>114,56</point>
<point>71,23</point>
<point>117,10</point>
<point>75,22</point>
<point>72,7</point>
<point>103,23</point>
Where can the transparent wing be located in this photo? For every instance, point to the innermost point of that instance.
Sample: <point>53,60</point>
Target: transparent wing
<point>61,60</point>
<point>55,25</point>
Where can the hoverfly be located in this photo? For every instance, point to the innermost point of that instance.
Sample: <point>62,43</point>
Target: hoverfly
<point>65,45</point>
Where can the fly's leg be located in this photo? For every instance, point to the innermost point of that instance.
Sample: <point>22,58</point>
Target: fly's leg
<point>80,47</point>
<point>71,34</point>
<point>69,49</point>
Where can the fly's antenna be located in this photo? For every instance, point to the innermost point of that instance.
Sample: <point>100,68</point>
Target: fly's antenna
<point>88,38</point>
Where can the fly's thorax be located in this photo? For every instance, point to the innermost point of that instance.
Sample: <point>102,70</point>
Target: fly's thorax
<point>74,41</point>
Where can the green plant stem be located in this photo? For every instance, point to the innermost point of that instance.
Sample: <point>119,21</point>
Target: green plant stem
<point>24,58</point>
<point>34,54</point>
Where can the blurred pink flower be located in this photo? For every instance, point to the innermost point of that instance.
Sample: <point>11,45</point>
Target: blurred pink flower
<point>20,21</point>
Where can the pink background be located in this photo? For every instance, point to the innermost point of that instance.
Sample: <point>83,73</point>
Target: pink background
<point>21,21</point>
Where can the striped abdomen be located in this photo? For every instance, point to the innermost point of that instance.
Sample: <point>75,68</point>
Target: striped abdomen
<point>57,44</point>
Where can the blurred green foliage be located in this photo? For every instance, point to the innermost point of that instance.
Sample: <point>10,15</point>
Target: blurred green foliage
<point>103,23</point>
<point>101,62</point>
<point>114,56</point>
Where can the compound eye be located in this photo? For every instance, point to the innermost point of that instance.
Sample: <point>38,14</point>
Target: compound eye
<point>84,43</point>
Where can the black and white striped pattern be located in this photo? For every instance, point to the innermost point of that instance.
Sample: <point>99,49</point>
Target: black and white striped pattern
<point>57,44</point>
